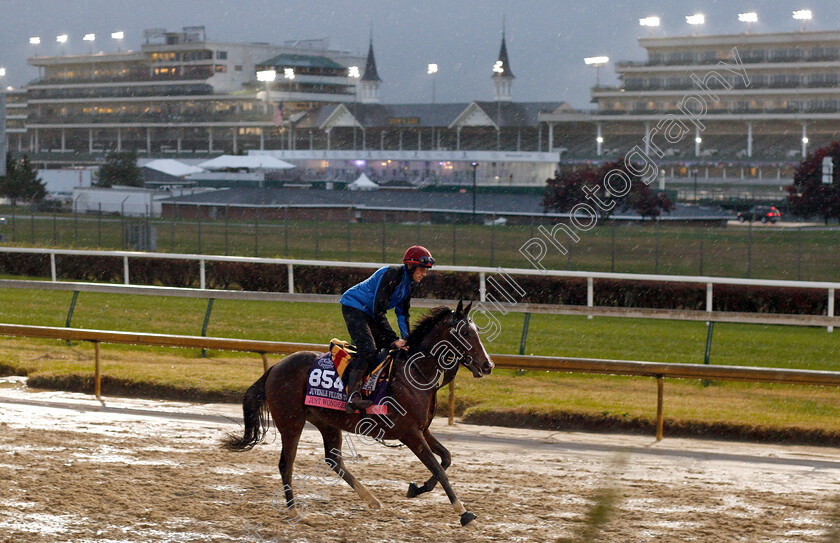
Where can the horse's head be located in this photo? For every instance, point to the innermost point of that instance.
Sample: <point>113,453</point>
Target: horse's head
<point>464,335</point>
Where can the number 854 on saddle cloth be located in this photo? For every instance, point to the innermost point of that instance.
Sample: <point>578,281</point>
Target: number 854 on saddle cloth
<point>325,389</point>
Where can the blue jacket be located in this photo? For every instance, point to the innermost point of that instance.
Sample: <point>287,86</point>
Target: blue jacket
<point>388,287</point>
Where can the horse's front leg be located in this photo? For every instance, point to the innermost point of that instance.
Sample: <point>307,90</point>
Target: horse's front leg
<point>418,445</point>
<point>445,461</point>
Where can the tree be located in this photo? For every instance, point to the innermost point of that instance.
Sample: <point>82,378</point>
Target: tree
<point>808,195</point>
<point>566,190</point>
<point>21,182</point>
<point>120,168</point>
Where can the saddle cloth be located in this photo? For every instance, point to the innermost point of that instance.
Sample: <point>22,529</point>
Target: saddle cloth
<point>325,389</point>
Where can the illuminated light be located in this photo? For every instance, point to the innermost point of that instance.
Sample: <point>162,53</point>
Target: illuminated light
<point>353,71</point>
<point>596,61</point>
<point>359,163</point>
<point>698,140</point>
<point>649,21</point>
<point>266,76</point>
<point>749,17</point>
<point>803,15</point>
<point>433,68</point>
<point>118,35</point>
<point>804,140</point>
<point>599,139</point>
<point>498,68</point>
<point>61,38</point>
<point>696,19</point>
<point>89,37</point>
<point>34,40</point>
<point>289,73</point>
<point>2,72</point>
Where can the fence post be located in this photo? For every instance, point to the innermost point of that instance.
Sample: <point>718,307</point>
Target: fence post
<point>13,223</point>
<point>286,232</point>
<point>291,279</point>
<point>349,244</point>
<point>318,240</point>
<point>383,237</point>
<point>660,400</point>
<point>99,226</point>
<point>830,307</point>
<point>206,322</point>
<point>708,297</point>
<point>70,311</point>
<point>202,273</point>
<point>172,230</point>
<point>32,224</point>
<point>702,236</point>
<point>97,372</point>
<point>125,270</point>
<point>590,293</point>
<point>52,267</point>
<point>227,227</point>
<point>612,245</point>
<point>198,212</point>
<point>492,244</point>
<point>75,226</point>
<point>55,230</point>
<point>524,333</point>
<point>482,286</point>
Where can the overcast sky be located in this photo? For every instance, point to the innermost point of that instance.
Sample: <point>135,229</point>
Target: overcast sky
<point>547,39</point>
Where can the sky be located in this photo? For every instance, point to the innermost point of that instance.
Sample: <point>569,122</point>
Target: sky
<point>547,39</point>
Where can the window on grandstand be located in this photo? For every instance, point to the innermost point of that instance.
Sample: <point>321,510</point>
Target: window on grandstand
<point>221,55</point>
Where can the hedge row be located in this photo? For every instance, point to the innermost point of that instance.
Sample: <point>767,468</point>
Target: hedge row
<point>444,285</point>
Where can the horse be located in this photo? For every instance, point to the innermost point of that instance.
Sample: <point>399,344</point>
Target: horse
<point>438,345</point>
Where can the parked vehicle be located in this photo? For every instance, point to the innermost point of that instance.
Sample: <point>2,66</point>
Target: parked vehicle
<point>764,214</point>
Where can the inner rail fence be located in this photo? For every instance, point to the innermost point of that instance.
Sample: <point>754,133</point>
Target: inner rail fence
<point>485,275</point>
<point>659,371</point>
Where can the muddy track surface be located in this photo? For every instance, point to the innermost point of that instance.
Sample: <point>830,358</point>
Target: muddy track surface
<point>143,471</point>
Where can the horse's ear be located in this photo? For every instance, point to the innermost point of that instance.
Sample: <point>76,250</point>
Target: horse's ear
<point>467,309</point>
<point>460,307</point>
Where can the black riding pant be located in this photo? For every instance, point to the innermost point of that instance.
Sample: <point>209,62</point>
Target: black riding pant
<point>367,335</point>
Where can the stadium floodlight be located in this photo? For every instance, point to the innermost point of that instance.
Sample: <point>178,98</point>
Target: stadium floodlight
<point>89,37</point>
<point>62,38</point>
<point>118,35</point>
<point>2,72</point>
<point>353,71</point>
<point>266,76</point>
<point>432,69</point>
<point>749,17</point>
<point>35,40</point>
<point>696,19</point>
<point>289,73</point>
<point>649,21</point>
<point>803,15</point>
<point>597,63</point>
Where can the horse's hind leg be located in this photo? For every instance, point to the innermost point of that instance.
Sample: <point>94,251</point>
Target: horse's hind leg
<point>335,459</point>
<point>445,461</point>
<point>290,436</point>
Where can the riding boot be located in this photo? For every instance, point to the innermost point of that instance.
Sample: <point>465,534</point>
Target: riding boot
<point>354,382</point>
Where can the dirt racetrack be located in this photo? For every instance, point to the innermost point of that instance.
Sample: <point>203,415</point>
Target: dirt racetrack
<point>141,471</point>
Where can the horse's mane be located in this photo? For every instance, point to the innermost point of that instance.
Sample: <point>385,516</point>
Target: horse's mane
<point>425,325</point>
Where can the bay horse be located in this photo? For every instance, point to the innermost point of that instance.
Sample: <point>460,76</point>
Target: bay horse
<point>441,342</point>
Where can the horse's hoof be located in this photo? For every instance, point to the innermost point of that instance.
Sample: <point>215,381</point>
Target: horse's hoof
<point>414,490</point>
<point>466,518</point>
<point>375,504</point>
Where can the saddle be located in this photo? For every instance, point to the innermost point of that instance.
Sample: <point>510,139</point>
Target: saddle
<point>341,351</point>
<point>326,389</point>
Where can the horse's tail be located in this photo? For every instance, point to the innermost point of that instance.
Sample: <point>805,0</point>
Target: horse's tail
<point>255,413</point>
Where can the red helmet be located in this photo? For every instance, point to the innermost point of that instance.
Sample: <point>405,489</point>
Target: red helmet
<point>418,256</point>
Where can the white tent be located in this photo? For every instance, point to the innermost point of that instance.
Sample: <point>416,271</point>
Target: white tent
<point>250,162</point>
<point>362,183</point>
<point>172,167</point>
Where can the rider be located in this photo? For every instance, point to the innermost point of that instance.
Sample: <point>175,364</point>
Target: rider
<point>364,307</point>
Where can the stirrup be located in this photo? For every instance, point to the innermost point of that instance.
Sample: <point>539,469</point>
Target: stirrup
<point>355,402</point>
